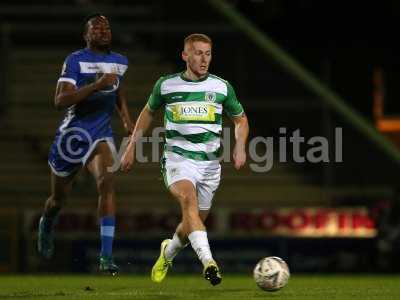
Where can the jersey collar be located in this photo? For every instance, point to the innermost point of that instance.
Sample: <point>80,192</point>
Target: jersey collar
<point>95,53</point>
<point>189,80</point>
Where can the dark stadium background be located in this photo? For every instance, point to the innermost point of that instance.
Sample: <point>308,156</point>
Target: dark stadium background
<point>319,217</point>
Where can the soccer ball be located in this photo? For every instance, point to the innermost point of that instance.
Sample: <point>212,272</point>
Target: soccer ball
<point>271,273</point>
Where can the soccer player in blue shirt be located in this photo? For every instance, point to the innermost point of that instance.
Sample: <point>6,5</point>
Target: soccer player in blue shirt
<point>90,88</point>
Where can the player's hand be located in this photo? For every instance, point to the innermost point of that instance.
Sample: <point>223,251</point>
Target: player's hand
<point>239,156</point>
<point>128,159</point>
<point>106,80</point>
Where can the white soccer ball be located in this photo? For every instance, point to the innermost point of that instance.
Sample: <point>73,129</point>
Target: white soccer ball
<point>271,273</point>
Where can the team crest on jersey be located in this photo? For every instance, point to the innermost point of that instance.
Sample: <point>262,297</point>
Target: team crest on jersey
<point>210,96</point>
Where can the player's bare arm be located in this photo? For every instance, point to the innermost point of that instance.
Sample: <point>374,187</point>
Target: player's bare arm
<point>67,94</point>
<point>241,134</point>
<point>143,123</point>
<point>122,108</point>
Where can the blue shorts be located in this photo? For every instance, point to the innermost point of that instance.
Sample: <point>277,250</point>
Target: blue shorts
<point>73,146</point>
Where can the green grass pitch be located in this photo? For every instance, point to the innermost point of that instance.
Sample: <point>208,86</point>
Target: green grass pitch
<point>324,287</point>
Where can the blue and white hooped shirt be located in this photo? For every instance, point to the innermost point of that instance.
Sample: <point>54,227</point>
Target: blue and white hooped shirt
<point>84,67</point>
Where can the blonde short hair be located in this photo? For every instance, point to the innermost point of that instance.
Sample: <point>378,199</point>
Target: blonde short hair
<point>197,37</point>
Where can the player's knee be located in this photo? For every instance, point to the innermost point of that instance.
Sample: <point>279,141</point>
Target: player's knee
<point>190,210</point>
<point>58,199</point>
<point>192,214</point>
<point>187,199</point>
<point>105,182</point>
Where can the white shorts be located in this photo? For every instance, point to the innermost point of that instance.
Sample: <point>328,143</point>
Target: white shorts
<point>205,176</point>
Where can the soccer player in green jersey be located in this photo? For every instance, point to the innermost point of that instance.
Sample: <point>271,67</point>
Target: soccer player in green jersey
<point>193,102</point>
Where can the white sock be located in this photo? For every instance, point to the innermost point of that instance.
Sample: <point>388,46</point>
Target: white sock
<point>199,241</point>
<point>173,248</point>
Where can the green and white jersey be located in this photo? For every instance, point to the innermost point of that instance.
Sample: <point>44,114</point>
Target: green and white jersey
<point>193,113</point>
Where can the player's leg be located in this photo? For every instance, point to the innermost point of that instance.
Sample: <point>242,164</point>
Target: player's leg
<point>184,191</point>
<point>98,163</point>
<point>193,227</point>
<point>180,239</point>
<point>205,193</point>
<point>180,177</point>
<point>169,249</point>
<point>60,187</point>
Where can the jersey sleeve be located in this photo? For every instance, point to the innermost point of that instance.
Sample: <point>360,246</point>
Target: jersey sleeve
<point>231,104</point>
<point>70,70</point>
<point>156,100</point>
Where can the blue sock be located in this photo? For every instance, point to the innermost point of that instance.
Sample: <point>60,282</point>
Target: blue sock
<point>107,229</point>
